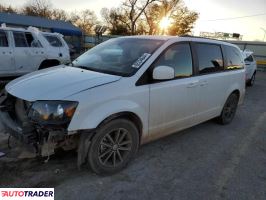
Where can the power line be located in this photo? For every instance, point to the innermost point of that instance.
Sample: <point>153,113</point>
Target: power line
<point>232,18</point>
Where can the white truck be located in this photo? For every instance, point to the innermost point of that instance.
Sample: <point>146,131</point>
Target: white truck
<point>27,50</point>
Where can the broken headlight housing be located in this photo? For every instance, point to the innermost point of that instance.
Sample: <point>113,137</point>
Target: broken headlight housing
<point>52,112</point>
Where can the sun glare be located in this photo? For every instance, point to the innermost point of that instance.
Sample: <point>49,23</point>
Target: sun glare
<point>165,23</point>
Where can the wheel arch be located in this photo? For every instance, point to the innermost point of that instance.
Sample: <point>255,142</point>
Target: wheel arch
<point>236,91</point>
<point>86,137</point>
<point>48,63</point>
<point>134,118</point>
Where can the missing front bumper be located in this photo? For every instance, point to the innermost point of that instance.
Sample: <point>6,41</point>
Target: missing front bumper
<point>24,135</point>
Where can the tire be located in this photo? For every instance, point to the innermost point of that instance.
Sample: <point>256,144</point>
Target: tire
<point>113,146</point>
<point>229,110</point>
<point>252,80</point>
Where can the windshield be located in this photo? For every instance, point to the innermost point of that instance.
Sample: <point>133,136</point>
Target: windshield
<point>120,56</point>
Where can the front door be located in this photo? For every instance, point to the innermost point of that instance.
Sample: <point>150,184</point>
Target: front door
<point>173,102</point>
<point>6,54</point>
<point>28,52</point>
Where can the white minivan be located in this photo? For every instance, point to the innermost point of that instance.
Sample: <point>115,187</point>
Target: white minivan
<point>27,50</point>
<point>122,93</point>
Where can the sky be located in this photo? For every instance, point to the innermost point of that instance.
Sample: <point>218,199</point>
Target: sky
<point>210,11</point>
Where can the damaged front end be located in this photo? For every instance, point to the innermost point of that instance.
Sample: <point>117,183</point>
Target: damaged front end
<point>41,125</point>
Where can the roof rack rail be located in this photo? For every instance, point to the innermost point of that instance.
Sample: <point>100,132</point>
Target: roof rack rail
<point>186,35</point>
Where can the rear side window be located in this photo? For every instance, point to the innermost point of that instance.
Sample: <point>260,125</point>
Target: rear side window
<point>3,39</point>
<point>25,39</point>
<point>29,38</point>
<point>210,58</point>
<point>179,58</point>
<point>20,39</point>
<point>53,41</point>
<point>234,58</point>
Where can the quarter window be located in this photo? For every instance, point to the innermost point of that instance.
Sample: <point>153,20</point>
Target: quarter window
<point>3,39</point>
<point>178,57</point>
<point>210,58</point>
<point>53,40</point>
<point>234,58</point>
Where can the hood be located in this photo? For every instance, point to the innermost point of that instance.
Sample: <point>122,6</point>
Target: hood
<point>57,83</point>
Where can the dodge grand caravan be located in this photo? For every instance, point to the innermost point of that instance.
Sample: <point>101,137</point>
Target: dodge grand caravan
<point>123,93</point>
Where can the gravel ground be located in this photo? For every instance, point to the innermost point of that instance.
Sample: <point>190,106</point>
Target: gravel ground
<point>208,161</point>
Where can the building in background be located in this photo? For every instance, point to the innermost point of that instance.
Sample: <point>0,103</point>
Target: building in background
<point>72,34</point>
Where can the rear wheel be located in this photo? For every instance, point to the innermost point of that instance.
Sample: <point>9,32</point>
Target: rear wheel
<point>229,109</point>
<point>252,80</point>
<point>113,146</point>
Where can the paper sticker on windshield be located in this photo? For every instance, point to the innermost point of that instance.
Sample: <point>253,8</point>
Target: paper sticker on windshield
<point>141,60</point>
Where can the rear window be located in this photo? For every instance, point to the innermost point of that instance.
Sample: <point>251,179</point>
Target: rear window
<point>53,40</point>
<point>210,58</point>
<point>234,58</point>
<point>3,39</point>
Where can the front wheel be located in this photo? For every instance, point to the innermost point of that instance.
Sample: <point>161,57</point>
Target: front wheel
<point>113,146</point>
<point>229,109</point>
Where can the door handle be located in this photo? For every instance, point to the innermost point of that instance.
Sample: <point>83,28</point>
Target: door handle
<point>193,84</point>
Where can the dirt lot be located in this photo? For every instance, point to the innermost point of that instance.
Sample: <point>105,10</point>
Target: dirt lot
<point>208,161</point>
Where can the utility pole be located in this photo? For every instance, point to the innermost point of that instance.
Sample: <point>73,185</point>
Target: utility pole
<point>264,33</point>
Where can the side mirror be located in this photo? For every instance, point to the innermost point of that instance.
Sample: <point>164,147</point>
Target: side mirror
<point>163,73</point>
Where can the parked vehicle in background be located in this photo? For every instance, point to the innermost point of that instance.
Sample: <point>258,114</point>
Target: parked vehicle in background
<point>251,67</point>
<point>27,50</point>
<point>123,93</point>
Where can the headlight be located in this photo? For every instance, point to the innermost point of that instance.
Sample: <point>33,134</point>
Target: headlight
<point>52,112</point>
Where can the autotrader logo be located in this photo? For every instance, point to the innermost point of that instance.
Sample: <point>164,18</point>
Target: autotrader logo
<point>27,193</point>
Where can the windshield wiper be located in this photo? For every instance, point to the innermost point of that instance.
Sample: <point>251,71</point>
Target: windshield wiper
<point>80,66</point>
<point>99,70</point>
<point>91,69</point>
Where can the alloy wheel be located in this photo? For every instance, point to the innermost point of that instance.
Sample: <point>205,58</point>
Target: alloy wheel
<point>114,147</point>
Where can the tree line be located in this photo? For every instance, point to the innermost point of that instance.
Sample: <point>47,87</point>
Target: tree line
<point>133,17</point>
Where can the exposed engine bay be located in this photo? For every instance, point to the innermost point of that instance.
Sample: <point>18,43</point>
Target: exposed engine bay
<point>43,138</point>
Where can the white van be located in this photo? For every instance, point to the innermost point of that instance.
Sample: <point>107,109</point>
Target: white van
<point>27,50</point>
<point>251,67</point>
<point>123,93</point>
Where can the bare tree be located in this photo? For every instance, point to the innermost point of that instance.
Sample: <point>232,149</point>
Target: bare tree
<point>85,20</point>
<point>41,8</point>
<point>7,9</point>
<point>182,19</point>
<point>133,10</point>
<point>115,21</point>
<point>58,14</point>
<point>152,16</point>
